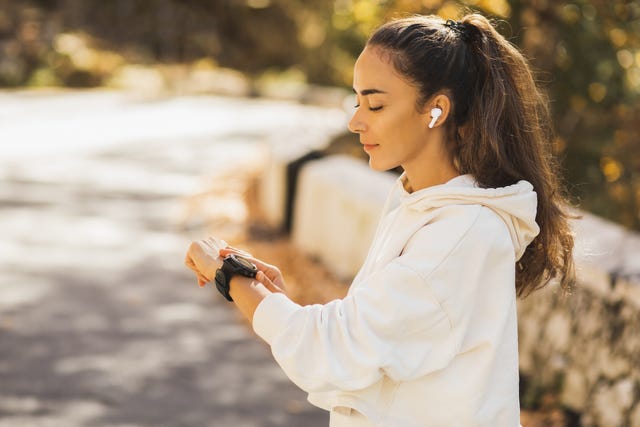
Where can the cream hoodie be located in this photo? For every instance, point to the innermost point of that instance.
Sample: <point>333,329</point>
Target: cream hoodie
<point>427,334</point>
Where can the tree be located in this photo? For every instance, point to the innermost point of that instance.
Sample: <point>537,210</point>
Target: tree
<point>587,53</point>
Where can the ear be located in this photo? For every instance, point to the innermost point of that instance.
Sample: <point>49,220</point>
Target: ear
<point>441,101</point>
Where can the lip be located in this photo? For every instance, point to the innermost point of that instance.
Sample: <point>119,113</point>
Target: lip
<point>369,147</point>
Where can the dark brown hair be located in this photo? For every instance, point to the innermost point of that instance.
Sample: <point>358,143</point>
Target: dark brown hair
<point>499,126</point>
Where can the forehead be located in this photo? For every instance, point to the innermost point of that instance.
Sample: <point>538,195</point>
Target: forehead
<point>374,70</point>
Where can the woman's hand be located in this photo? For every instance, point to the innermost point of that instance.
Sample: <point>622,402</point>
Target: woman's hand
<point>204,259</point>
<point>269,275</point>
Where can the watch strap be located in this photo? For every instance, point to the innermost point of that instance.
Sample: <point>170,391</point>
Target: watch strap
<point>232,266</point>
<point>222,283</point>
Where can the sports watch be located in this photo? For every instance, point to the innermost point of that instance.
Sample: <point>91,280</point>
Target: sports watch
<point>233,265</point>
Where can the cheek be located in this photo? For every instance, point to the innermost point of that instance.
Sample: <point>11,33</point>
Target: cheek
<point>396,122</point>
<point>405,125</point>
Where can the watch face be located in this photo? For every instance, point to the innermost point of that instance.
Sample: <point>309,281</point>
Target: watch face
<point>245,263</point>
<point>238,265</point>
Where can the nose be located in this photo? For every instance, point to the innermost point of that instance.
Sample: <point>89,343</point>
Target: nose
<point>356,125</point>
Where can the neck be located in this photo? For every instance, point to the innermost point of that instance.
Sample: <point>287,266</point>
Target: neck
<point>432,165</point>
<point>428,178</point>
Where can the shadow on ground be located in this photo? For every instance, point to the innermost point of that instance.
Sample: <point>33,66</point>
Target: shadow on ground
<point>100,322</point>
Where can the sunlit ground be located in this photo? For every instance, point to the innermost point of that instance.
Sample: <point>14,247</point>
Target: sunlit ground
<point>100,323</point>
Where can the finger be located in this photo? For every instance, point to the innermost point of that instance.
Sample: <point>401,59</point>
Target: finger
<point>238,249</point>
<point>235,251</point>
<point>270,270</point>
<point>260,264</point>
<point>189,262</point>
<point>274,274</point>
<point>202,259</point>
<point>191,265</point>
<point>214,244</point>
<point>202,280</point>
<point>203,246</point>
<point>262,278</point>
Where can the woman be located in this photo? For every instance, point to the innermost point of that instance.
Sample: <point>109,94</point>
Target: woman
<point>427,334</point>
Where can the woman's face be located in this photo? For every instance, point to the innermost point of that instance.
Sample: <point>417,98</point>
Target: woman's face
<point>391,130</point>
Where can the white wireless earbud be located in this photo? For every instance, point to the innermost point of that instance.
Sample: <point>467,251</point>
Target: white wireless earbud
<point>435,114</point>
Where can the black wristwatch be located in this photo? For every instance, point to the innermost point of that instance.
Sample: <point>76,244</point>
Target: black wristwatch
<point>233,265</point>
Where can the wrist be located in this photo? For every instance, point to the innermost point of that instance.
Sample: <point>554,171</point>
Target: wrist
<point>239,286</point>
<point>247,294</point>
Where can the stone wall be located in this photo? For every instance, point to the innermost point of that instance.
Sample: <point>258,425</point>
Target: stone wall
<point>583,348</point>
<point>586,346</point>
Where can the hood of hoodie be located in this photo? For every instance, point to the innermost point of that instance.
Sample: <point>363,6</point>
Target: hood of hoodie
<point>515,204</point>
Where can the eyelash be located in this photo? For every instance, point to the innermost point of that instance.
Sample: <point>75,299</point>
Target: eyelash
<point>370,108</point>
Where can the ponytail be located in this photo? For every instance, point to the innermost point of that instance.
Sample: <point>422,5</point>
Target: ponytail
<point>499,130</point>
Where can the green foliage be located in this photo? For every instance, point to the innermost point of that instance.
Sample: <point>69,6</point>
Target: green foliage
<point>586,52</point>
<point>589,53</point>
<point>587,56</point>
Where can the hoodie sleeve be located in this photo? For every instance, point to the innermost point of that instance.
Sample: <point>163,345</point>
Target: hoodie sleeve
<point>348,344</point>
<point>393,324</point>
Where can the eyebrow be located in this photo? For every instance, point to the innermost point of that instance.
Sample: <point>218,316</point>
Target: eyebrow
<point>368,91</point>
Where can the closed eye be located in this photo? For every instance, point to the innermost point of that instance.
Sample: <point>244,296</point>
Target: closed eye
<point>370,108</point>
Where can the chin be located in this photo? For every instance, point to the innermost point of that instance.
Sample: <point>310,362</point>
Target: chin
<point>380,166</point>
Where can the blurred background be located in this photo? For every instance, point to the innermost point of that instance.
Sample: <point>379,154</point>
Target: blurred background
<point>586,52</point>
<point>130,127</point>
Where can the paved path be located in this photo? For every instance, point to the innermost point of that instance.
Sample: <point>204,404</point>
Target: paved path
<point>100,323</point>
